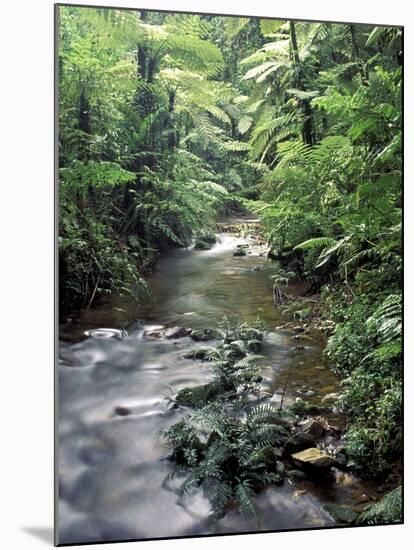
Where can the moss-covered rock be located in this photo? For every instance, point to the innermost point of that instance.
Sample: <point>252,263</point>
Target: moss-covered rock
<point>198,396</point>
<point>203,335</point>
<point>176,332</point>
<point>202,245</point>
<point>299,441</point>
<point>205,242</point>
<point>200,353</point>
<point>209,238</point>
<point>313,427</point>
<point>296,475</point>
<point>314,458</point>
<point>266,455</point>
<point>341,514</point>
<point>303,408</point>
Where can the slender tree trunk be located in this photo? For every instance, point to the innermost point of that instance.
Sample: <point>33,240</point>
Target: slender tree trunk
<point>141,62</point>
<point>152,61</point>
<point>307,129</point>
<point>172,137</point>
<point>356,54</point>
<point>294,42</point>
<point>355,49</point>
<point>84,116</point>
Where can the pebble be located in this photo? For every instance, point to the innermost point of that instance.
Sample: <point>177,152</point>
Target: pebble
<point>299,493</point>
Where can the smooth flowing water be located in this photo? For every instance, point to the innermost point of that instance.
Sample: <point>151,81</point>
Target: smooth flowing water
<point>113,465</point>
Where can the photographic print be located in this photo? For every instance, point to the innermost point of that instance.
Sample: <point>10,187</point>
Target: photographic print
<point>229,274</point>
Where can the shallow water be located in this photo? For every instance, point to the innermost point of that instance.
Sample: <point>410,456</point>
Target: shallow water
<point>113,466</point>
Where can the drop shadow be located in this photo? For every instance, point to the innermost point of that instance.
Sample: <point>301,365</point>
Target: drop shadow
<point>44,534</point>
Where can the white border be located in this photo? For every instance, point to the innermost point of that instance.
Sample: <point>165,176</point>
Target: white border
<point>26,218</point>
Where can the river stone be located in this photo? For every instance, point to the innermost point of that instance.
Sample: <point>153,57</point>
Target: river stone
<point>239,252</point>
<point>299,441</point>
<point>313,427</point>
<point>296,475</point>
<point>341,514</point>
<point>104,333</point>
<point>197,354</point>
<point>254,346</point>
<point>280,467</point>
<point>341,459</point>
<point>202,245</point>
<point>314,457</point>
<point>302,408</point>
<point>154,334</point>
<point>306,393</point>
<point>278,452</point>
<point>122,411</point>
<point>199,396</point>
<point>265,455</point>
<point>299,493</point>
<point>330,397</point>
<point>176,332</point>
<point>202,335</point>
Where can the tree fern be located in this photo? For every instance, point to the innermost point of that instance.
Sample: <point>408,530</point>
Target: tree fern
<point>328,147</point>
<point>268,27</point>
<point>261,72</point>
<point>317,242</point>
<point>234,25</point>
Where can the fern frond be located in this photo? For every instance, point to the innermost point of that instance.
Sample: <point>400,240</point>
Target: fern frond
<point>387,318</point>
<point>387,510</point>
<point>317,242</point>
<point>268,27</point>
<point>245,497</point>
<point>261,72</point>
<point>235,25</point>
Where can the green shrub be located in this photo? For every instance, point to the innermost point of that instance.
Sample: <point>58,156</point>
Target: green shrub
<point>387,510</point>
<point>366,351</point>
<point>351,341</point>
<point>231,459</point>
<point>236,375</point>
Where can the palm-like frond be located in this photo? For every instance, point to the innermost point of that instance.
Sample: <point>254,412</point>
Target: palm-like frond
<point>387,510</point>
<point>387,319</point>
<point>245,497</point>
<point>234,25</point>
<point>317,242</point>
<point>268,27</point>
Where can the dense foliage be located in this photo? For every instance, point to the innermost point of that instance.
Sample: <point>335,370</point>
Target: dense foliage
<point>327,125</point>
<point>387,510</point>
<point>226,445</point>
<point>166,119</point>
<point>146,127</point>
<point>231,459</point>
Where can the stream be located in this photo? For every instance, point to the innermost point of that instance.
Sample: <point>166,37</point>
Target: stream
<point>112,464</point>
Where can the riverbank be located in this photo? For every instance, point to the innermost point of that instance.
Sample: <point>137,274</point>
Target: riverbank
<point>112,402</point>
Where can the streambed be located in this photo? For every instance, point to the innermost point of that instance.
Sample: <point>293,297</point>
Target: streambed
<point>113,467</point>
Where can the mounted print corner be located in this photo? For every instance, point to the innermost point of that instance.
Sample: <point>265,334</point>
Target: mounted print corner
<point>229,274</point>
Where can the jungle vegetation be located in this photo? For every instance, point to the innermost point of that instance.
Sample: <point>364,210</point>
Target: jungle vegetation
<point>167,120</point>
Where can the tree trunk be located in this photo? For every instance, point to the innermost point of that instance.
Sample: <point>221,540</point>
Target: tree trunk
<point>355,53</point>
<point>84,118</point>
<point>172,137</point>
<point>307,129</point>
<point>141,62</point>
